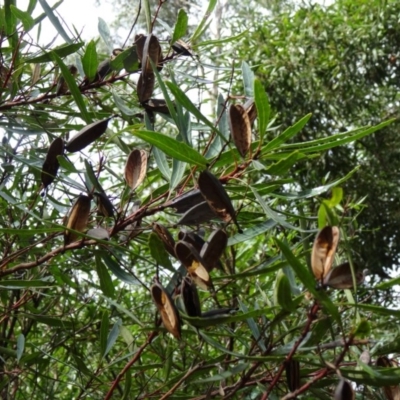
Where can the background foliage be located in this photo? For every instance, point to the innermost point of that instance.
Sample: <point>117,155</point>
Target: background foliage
<point>77,319</point>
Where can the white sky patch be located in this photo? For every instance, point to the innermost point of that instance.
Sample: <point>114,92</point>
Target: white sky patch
<point>81,14</point>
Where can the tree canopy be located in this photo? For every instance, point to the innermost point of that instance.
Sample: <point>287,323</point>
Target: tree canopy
<point>164,229</point>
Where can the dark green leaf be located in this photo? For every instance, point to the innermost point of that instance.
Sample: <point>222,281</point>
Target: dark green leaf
<point>89,61</point>
<point>180,26</point>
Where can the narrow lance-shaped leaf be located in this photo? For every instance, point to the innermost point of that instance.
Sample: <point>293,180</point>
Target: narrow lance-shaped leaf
<point>87,135</point>
<point>166,308</point>
<point>89,61</point>
<point>180,26</point>
<point>135,168</point>
<point>78,218</point>
<point>51,164</point>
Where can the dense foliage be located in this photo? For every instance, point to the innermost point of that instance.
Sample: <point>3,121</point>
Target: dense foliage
<point>103,155</point>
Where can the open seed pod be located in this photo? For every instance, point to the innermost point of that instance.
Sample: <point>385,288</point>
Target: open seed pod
<point>292,368</point>
<point>78,218</point>
<point>140,40</point>
<point>216,197</point>
<point>251,109</point>
<point>164,234</point>
<point>87,135</point>
<point>190,297</point>
<point>191,259</point>
<point>167,309</point>
<point>344,390</point>
<point>151,51</point>
<point>135,168</point>
<point>240,126</point>
<point>340,277</point>
<point>323,251</point>
<point>186,201</point>
<point>182,48</point>
<point>51,165</point>
<point>156,105</point>
<point>213,249</point>
<point>193,238</point>
<point>145,87</point>
<point>104,206</point>
<point>391,392</point>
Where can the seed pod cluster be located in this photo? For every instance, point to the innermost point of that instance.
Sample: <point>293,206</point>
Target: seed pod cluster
<point>167,309</point>
<point>51,164</point>
<point>135,168</point>
<point>87,135</point>
<point>77,219</point>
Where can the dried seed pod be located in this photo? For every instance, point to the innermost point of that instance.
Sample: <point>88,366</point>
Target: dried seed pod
<point>51,165</point>
<point>182,48</point>
<point>344,390</point>
<point>190,237</point>
<point>391,392</point>
<point>191,259</point>
<point>87,135</point>
<point>167,309</point>
<point>140,40</point>
<point>151,51</point>
<point>251,109</point>
<point>216,197</point>
<point>104,206</point>
<point>190,297</point>
<point>163,233</point>
<point>103,69</point>
<point>240,126</point>
<point>156,105</point>
<point>145,87</point>
<point>186,201</point>
<point>135,168</point>
<point>340,277</point>
<point>77,219</point>
<point>292,368</point>
<point>197,215</point>
<point>213,249</point>
<point>323,251</point>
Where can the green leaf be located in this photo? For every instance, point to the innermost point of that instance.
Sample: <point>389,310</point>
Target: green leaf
<point>89,61</point>
<point>104,327</point>
<point>287,134</point>
<point>172,147</point>
<point>284,164</point>
<point>263,108</point>
<point>162,163</point>
<point>308,281</point>
<point>217,42</point>
<point>24,17</point>
<point>62,51</point>
<point>106,284</point>
<point>252,232</point>
<point>113,336</point>
<point>20,346</point>
<point>54,20</point>
<point>147,13</point>
<point>248,79</point>
<point>127,60</point>
<point>158,252</point>
<point>180,26</point>
<point>73,87</point>
<point>105,34</point>
<point>117,270</point>
<point>17,284</point>
<point>253,327</point>
<point>283,293</point>
<point>201,27</point>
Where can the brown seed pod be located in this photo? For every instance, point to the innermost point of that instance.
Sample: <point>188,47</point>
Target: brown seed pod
<point>62,86</point>
<point>216,197</point>
<point>191,259</point>
<point>51,165</point>
<point>213,249</point>
<point>186,201</point>
<point>190,297</point>
<point>145,87</point>
<point>340,277</point>
<point>104,206</point>
<point>164,234</point>
<point>344,390</point>
<point>166,308</point>
<point>197,215</point>
<point>323,251</point>
<point>77,219</point>
<point>156,105</point>
<point>135,168</point>
<point>151,51</point>
<point>292,368</point>
<point>87,135</point>
<point>240,126</point>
